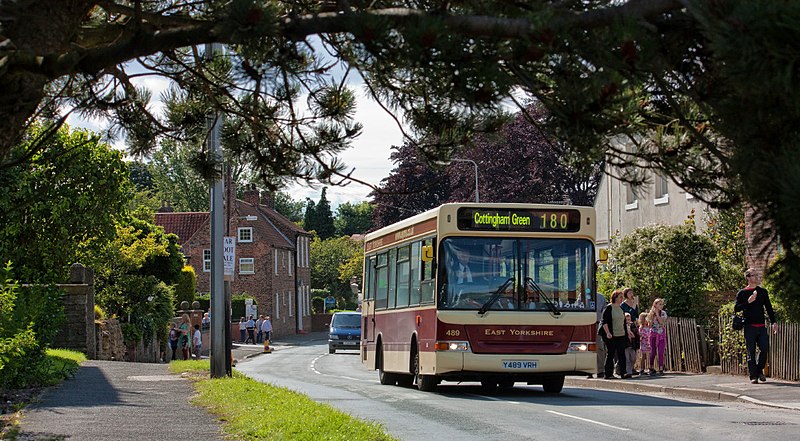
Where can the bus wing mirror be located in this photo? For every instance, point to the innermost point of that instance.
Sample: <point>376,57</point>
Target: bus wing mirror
<point>427,253</point>
<point>603,255</point>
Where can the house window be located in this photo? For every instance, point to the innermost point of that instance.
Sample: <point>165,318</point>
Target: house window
<point>206,261</point>
<point>289,295</point>
<point>283,259</point>
<point>290,262</point>
<point>277,312</point>
<point>245,234</point>
<point>276,260</point>
<point>631,200</point>
<point>662,190</point>
<point>247,265</point>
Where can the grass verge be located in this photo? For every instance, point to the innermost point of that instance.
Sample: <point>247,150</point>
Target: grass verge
<point>251,410</point>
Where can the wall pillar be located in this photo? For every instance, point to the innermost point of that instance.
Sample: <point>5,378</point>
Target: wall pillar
<point>78,332</point>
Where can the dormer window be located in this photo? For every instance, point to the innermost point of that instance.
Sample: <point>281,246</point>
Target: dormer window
<point>245,234</point>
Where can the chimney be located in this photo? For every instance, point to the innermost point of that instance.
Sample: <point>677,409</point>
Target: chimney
<point>268,199</point>
<point>165,207</point>
<point>251,194</point>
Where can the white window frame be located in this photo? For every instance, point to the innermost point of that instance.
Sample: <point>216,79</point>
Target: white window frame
<point>305,253</point>
<point>207,260</point>
<point>247,261</point>
<point>241,230</point>
<point>634,204</point>
<point>276,306</point>
<point>290,295</point>
<point>276,260</point>
<point>290,262</point>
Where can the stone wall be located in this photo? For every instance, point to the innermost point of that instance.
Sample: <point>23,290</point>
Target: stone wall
<point>110,344</point>
<point>78,332</point>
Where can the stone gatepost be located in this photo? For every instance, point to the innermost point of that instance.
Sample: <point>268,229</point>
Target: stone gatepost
<point>78,332</point>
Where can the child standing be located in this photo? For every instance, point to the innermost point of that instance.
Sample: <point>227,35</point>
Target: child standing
<point>631,345</point>
<point>197,341</point>
<point>644,338</point>
<point>658,335</point>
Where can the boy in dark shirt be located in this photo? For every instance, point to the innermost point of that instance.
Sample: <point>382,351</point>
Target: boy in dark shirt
<point>753,299</point>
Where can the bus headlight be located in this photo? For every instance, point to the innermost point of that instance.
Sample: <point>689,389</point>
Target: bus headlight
<point>454,346</point>
<point>579,346</point>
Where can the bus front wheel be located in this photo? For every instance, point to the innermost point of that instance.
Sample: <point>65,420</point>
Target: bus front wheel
<point>553,385</point>
<point>425,383</point>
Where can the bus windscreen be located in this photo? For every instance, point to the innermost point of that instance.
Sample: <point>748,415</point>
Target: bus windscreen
<point>516,274</point>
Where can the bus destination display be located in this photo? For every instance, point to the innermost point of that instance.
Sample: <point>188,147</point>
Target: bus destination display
<point>484,219</point>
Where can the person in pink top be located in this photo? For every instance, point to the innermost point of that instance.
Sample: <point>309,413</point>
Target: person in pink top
<point>644,347</point>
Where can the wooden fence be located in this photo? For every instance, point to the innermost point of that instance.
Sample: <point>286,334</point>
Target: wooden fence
<point>783,360</point>
<point>683,345</point>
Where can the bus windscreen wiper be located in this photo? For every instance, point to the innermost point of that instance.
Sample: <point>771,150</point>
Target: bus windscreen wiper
<point>541,293</point>
<point>494,297</point>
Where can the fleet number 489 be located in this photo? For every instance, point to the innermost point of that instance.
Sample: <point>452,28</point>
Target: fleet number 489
<point>452,333</point>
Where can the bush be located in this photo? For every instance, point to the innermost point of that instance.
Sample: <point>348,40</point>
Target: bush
<point>186,287</point>
<point>29,319</point>
<point>783,289</point>
<point>731,343</point>
<point>672,262</point>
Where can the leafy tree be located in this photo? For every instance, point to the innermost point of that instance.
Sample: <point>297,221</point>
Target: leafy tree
<point>175,180</point>
<point>518,164</point>
<point>674,78</point>
<point>353,218</point>
<point>285,205</point>
<point>63,195</point>
<point>140,175</point>
<point>412,187</point>
<point>308,216</point>
<point>332,267</point>
<point>671,262</point>
<point>133,278</point>
<point>725,228</point>
<point>323,217</point>
<point>186,287</point>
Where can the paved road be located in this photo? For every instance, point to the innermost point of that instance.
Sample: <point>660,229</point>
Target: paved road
<point>465,412</point>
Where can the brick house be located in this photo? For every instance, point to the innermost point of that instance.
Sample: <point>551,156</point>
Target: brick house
<point>272,260</point>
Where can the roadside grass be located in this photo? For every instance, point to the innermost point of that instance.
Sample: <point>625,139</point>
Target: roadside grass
<point>251,410</point>
<point>57,365</point>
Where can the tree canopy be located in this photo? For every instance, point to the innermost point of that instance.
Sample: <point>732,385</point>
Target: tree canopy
<point>517,164</point>
<point>702,91</point>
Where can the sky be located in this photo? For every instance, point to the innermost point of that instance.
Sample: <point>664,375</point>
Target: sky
<point>369,155</point>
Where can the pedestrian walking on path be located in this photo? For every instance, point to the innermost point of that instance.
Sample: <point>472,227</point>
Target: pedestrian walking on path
<point>112,400</point>
<point>615,336</point>
<point>753,300</point>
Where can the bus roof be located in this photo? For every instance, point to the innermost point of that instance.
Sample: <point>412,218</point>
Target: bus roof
<point>434,212</point>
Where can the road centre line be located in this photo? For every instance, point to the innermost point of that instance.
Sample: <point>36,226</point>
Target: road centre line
<point>588,420</point>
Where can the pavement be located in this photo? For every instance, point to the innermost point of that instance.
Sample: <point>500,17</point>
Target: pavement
<point>114,400</point>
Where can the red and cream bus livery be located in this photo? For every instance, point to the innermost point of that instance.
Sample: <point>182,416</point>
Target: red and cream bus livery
<point>495,293</point>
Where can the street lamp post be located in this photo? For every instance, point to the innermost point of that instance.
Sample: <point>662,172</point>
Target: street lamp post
<point>477,198</point>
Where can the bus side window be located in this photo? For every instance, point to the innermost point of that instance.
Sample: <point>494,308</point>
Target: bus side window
<point>416,275</point>
<point>428,275</point>
<point>381,282</point>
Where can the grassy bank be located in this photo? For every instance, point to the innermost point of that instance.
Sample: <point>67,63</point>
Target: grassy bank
<point>252,410</point>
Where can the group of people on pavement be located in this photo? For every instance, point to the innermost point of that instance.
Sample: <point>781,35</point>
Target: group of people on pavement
<point>255,331</point>
<point>179,338</point>
<point>628,337</point>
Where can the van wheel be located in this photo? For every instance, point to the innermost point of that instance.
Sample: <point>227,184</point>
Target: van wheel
<point>425,383</point>
<point>331,350</point>
<point>553,385</point>
<point>383,376</point>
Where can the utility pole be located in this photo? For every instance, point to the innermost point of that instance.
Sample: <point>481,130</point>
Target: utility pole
<point>220,355</point>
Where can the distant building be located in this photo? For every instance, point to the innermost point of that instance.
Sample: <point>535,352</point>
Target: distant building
<point>272,257</point>
<point>621,208</point>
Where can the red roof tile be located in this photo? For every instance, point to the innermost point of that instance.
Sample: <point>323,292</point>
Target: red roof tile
<point>184,225</point>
